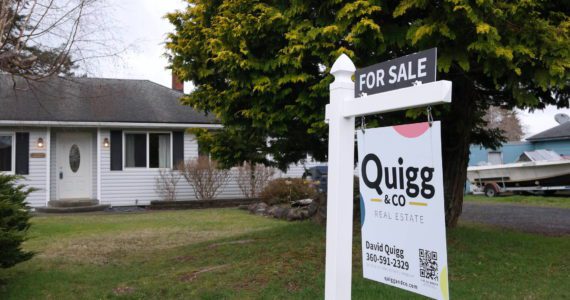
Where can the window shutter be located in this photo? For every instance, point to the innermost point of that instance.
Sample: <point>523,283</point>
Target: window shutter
<point>116,150</point>
<point>177,147</point>
<point>22,153</point>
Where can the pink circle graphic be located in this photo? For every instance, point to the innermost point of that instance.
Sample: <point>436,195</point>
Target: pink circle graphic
<point>412,130</point>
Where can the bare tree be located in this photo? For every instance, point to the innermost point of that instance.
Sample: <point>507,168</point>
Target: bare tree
<point>166,183</point>
<point>508,121</point>
<point>205,177</point>
<point>37,37</point>
<point>252,178</point>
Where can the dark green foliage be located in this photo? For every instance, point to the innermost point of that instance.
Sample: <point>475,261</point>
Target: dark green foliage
<point>14,221</point>
<point>285,190</point>
<point>262,67</point>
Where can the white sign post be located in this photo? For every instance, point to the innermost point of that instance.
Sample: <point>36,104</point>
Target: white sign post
<point>340,114</point>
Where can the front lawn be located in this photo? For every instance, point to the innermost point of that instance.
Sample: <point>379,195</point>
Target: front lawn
<point>560,201</point>
<point>227,253</point>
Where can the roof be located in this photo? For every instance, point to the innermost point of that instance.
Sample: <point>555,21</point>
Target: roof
<point>82,99</point>
<point>559,132</point>
<point>540,155</point>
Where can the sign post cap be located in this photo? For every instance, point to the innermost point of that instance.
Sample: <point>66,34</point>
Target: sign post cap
<point>343,68</point>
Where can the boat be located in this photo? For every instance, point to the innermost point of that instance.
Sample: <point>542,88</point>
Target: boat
<point>534,171</point>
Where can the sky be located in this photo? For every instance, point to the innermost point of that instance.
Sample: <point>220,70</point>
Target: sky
<point>138,27</point>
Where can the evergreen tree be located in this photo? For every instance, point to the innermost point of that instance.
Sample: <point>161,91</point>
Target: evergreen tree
<point>14,221</point>
<point>262,67</point>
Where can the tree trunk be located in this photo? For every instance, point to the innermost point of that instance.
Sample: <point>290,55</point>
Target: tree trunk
<point>457,124</point>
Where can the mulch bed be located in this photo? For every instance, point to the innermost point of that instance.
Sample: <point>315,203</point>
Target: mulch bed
<point>200,204</point>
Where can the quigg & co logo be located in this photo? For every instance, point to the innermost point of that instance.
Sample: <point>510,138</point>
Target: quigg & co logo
<point>402,182</point>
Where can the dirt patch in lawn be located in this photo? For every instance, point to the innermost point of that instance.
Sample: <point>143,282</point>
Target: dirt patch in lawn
<point>252,284</point>
<point>113,248</point>
<point>188,277</point>
<point>123,290</point>
<point>216,245</point>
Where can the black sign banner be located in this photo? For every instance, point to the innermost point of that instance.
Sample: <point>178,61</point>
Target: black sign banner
<point>401,72</point>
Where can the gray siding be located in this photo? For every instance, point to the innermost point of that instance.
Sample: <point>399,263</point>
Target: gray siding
<point>131,186</point>
<point>137,186</point>
<point>118,188</point>
<point>38,169</point>
<point>37,166</point>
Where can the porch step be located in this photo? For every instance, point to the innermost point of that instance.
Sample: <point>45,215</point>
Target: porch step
<point>73,209</point>
<point>73,203</point>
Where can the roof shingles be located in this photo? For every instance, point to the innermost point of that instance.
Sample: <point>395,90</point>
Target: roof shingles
<point>94,100</point>
<point>559,132</point>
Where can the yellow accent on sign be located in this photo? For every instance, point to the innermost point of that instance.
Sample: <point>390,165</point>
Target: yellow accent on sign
<point>443,284</point>
<point>418,203</point>
<point>376,200</point>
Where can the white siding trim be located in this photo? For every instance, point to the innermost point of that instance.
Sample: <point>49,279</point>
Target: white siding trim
<point>98,163</point>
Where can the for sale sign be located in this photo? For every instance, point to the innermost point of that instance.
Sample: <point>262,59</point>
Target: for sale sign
<point>401,72</point>
<point>403,223</point>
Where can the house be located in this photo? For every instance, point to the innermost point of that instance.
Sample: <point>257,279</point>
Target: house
<point>100,140</point>
<point>91,138</point>
<point>556,139</point>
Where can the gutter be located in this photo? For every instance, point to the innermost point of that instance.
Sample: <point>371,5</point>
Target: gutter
<point>107,124</point>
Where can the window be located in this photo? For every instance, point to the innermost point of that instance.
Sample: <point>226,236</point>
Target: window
<point>7,153</point>
<point>495,158</point>
<point>148,150</point>
<point>159,150</point>
<point>135,151</point>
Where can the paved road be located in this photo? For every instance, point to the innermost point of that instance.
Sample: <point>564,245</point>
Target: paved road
<point>543,220</point>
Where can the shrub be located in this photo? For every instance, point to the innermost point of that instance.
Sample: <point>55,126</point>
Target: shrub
<point>166,183</point>
<point>251,179</point>
<point>285,190</point>
<point>204,176</point>
<point>14,221</point>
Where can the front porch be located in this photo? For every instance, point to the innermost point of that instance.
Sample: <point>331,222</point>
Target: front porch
<point>73,206</point>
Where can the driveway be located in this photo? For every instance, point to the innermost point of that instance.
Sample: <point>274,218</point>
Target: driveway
<point>543,220</point>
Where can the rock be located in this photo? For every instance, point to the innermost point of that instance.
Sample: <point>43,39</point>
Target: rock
<point>294,214</point>
<point>321,215</point>
<point>252,207</point>
<point>277,212</point>
<point>281,213</point>
<point>312,208</point>
<point>261,209</point>
<point>301,203</point>
<point>258,208</point>
<point>271,210</point>
<point>243,207</point>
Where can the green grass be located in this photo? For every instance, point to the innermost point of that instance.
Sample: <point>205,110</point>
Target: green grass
<point>226,253</point>
<point>554,201</point>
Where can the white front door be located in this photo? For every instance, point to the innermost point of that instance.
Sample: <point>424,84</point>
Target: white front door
<point>74,165</point>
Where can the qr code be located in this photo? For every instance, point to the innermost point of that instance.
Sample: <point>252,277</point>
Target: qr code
<point>428,264</point>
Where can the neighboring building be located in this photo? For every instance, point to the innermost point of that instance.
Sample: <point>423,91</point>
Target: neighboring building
<point>97,139</point>
<point>556,139</point>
